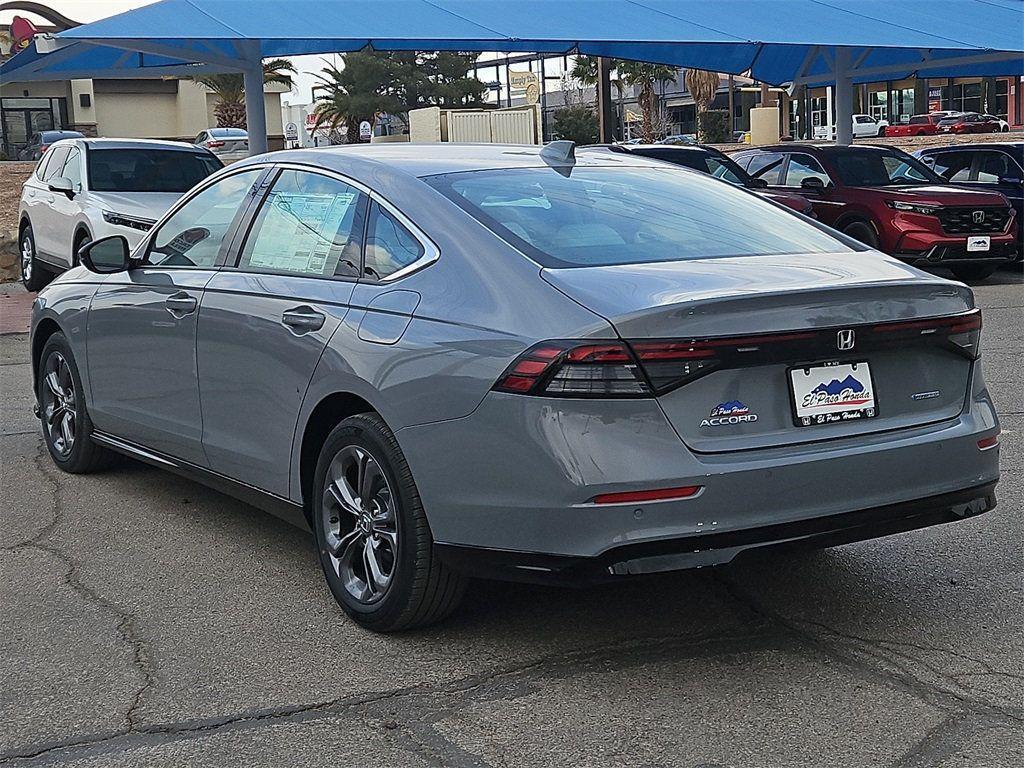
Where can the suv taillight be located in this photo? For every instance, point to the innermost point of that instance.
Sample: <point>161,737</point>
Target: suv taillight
<point>211,144</point>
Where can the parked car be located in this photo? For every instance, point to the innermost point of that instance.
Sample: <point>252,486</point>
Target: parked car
<point>997,167</point>
<point>513,362</point>
<point>38,143</point>
<point>919,125</point>
<point>679,138</point>
<point>863,126</point>
<point>1002,125</point>
<point>715,163</point>
<point>85,189</point>
<point>228,144</point>
<point>969,122</point>
<point>891,201</point>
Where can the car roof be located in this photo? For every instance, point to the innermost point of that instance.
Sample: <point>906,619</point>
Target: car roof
<point>432,159</point>
<point>793,146</point>
<point>227,131</point>
<point>140,144</point>
<point>66,134</point>
<point>1017,146</point>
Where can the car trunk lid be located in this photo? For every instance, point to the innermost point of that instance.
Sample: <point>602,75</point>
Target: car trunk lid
<point>770,327</point>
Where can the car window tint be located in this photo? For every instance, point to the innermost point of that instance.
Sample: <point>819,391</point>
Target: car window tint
<point>389,245</point>
<point>604,216</point>
<point>193,235</point>
<point>952,166</point>
<point>56,164</point>
<point>148,170</point>
<point>73,169</point>
<point>805,167</point>
<point>767,166</point>
<point>308,225</point>
<point>993,166</point>
<point>41,166</point>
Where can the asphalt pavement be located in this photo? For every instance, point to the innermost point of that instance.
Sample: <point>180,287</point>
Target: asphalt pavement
<point>148,621</point>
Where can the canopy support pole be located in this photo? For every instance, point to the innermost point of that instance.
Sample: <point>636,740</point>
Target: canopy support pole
<point>844,97</point>
<point>255,108</point>
<point>605,107</point>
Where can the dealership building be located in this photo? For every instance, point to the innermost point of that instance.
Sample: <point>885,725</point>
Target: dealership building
<point>158,108</point>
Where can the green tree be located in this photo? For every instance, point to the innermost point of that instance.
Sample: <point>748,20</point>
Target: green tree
<point>644,76</point>
<point>368,83</point>
<point>578,124</point>
<point>230,90</point>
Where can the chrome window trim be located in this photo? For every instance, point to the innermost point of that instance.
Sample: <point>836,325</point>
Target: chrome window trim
<point>431,252</point>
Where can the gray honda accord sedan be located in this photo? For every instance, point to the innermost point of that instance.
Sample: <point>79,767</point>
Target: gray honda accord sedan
<point>504,361</point>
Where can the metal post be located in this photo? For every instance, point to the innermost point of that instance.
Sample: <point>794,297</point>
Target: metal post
<point>255,109</point>
<point>605,108</point>
<point>844,97</point>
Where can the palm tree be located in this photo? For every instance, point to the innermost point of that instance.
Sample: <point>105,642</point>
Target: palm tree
<point>703,86</point>
<point>643,76</point>
<point>230,91</point>
<point>368,83</point>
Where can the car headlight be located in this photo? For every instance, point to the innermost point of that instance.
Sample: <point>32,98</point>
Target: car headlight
<point>124,220</point>
<point>899,205</point>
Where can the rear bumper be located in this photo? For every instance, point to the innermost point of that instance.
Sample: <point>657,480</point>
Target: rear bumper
<point>718,548</point>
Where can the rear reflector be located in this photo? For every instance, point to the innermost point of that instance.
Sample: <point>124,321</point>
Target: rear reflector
<point>988,442</point>
<point>214,144</point>
<point>660,494</point>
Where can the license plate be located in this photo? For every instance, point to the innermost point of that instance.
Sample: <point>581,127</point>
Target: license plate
<point>831,393</point>
<point>979,243</point>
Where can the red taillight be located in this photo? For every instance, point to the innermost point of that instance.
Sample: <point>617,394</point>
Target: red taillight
<point>962,333</point>
<point>43,148</point>
<point>634,497</point>
<point>575,369</point>
<point>988,442</point>
<point>214,144</point>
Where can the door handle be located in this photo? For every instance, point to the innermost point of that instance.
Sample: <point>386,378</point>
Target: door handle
<point>180,304</point>
<point>303,319</point>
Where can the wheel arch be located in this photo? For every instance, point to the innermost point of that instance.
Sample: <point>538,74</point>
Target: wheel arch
<point>81,228</point>
<point>42,333</point>
<point>855,216</point>
<point>24,222</point>
<point>325,416</point>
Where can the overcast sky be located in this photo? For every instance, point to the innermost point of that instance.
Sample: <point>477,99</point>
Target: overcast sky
<point>91,10</point>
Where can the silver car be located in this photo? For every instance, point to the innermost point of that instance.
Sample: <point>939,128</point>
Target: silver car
<point>501,361</point>
<point>228,144</point>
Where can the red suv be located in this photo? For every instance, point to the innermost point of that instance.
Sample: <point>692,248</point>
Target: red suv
<point>893,202</point>
<point>969,122</point>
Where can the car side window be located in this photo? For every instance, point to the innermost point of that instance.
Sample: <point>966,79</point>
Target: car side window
<point>73,169</point>
<point>993,166</point>
<point>56,164</point>
<point>192,236</point>
<point>805,167</point>
<point>389,245</point>
<point>310,225</point>
<point>767,166</point>
<point>952,166</point>
<point>200,138</point>
<point>41,166</point>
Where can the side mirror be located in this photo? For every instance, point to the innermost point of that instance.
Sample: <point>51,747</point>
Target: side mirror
<point>63,186</point>
<point>758,183</point>
<point>106,256</point>
<point>812,182</point>
<point>1015,180</point>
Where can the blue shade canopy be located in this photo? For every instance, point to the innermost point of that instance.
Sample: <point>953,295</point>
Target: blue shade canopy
<point>778,42</point>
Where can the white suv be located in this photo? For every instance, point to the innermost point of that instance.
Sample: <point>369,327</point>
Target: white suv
<point>85,189</point>
<point>863,127</point>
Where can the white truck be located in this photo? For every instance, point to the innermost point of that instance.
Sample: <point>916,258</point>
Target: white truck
<point>863,126</point>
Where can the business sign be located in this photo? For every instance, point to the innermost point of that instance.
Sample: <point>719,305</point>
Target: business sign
<point>528,82</point>
<point>934,99</point>
<point>365,131</point>
<point>291,132</point>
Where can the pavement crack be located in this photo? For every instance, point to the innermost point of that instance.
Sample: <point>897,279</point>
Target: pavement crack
<point>127,627</point>
<point>881,662</point>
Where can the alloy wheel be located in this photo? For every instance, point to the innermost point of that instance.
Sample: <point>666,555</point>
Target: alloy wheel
<point>59,405</point>
<point>360,524</point>
<point>26,258</point>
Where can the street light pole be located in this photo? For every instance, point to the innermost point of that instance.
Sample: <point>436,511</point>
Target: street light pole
<point>844,97</point>
<point>605,108</point>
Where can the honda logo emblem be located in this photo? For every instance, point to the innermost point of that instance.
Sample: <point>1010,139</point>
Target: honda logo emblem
<point>978,217</point>
<point>845,340</point>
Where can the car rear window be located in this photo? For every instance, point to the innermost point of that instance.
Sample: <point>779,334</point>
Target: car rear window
<point>148,170</point>
<point>603,216</point>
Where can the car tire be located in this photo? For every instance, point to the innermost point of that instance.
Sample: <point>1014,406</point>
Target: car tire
<point>862,231</point>
<point>973,273</point>
<point>83,239</point>
<point>33,275</point>
<point>881,132</point>
<point>377,555</point>
<point>67,429</point>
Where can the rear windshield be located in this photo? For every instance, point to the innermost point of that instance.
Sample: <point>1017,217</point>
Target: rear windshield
<point>148,170</point>
<point>920,120</point>
<point>875,168</point>
<point>601,216</point>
